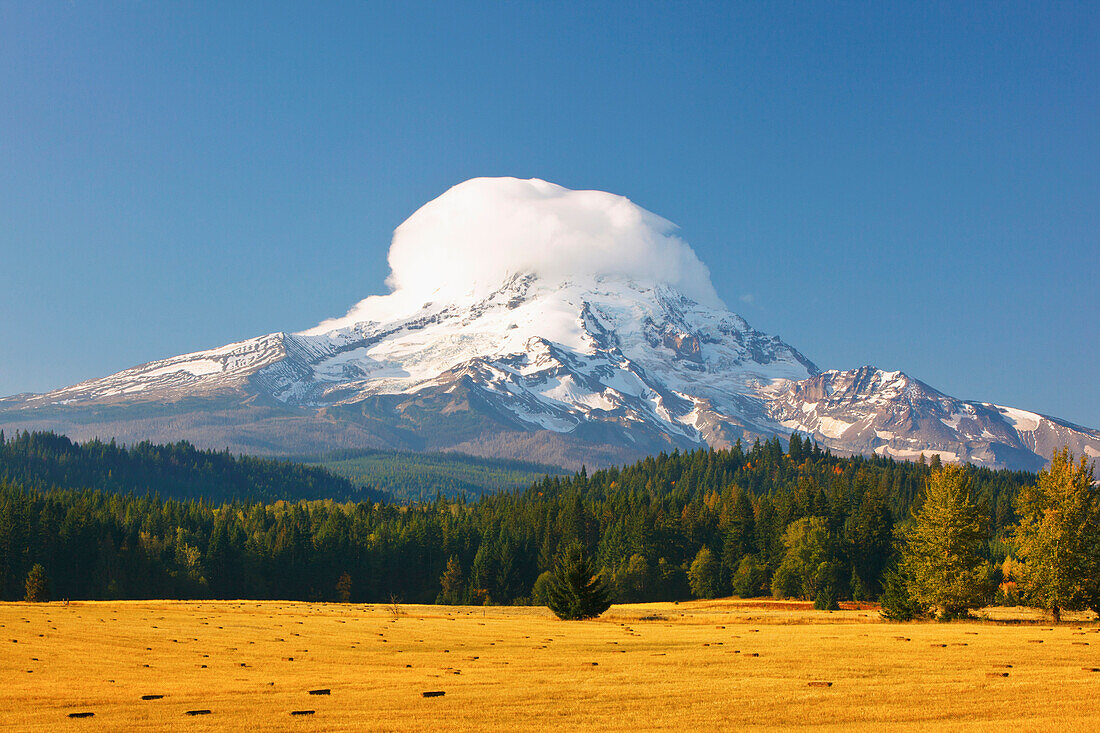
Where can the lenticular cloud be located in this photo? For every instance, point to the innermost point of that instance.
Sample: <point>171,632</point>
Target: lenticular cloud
<point>471,239</point>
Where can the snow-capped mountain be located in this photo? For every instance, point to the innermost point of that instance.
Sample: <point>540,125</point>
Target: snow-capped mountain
<point>533,322</point>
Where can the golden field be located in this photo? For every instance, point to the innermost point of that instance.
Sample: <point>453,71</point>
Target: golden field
<point>704,665</point>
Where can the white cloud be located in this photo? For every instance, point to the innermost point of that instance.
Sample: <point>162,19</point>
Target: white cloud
<point>472,238</point>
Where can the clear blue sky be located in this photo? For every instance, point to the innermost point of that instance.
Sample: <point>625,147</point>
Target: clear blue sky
<point>912,186</point>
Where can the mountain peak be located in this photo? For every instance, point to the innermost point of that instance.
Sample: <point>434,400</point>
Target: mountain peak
<point>530,321</point>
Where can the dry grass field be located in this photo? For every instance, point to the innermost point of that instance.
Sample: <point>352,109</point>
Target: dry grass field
<point>692,666</point>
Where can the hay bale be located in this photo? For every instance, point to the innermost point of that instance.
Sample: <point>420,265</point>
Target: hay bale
<point>819,683</point>
<point>81,715</point>
<point>433,693</point>
<point>152,697</point>
<point>197,712</point>
<point>323,691</point>
<point>302,712</point>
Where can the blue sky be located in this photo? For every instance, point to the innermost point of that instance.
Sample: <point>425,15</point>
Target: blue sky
<point>914,186</point>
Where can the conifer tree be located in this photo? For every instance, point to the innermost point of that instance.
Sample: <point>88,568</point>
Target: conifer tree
<point>450,583</point>
<point>794,448</point>
<point>941,549</point>
<point>38,585</point>
<point>343,587</point>
<point>1058,538</point>
<point>575,593</point>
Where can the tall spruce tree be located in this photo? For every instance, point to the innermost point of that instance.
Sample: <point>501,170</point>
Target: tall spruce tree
<point>38,585</point>
<point>575,593</point>
<point>1057,541</point>
<point>451,586</point>
<point>941,549</point>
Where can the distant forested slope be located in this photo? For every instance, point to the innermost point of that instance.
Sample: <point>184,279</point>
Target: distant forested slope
<point>175,471</point>
<point>418,476</point>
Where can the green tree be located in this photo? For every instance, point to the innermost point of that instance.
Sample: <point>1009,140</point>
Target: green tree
<point>343,587</point>
<point>941,548</point>
<point>575,593</point>
<point>896,600</point>
<point>870,533</point>
<point>750,577</point>
<point>806,569</point>
<point>704,576</point>
<point>1058,538</point>
<point>632,579</point>
<point>451,585</point>
<point>38,585</point>
<point>540,593</point>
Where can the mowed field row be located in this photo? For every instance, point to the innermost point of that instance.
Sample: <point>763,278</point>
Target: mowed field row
<point>703,665</point>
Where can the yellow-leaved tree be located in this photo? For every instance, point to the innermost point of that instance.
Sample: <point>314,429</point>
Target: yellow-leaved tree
<point>1058,538</point>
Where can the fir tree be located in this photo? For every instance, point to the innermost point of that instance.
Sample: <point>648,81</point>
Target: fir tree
<point>38,585</point>
<point>941,550</point>
<point>451,585</point>
<point>575,593</point>
<point>897,601</point>
<point>343,588</point>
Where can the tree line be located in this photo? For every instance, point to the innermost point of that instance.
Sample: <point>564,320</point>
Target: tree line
<point>411,476</point>
<point>792,521</point>
<point>46,460</point>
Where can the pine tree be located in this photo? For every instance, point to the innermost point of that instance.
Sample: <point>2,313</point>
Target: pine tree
<point>575,593</point>
<point>343,588</point>
<point>941,549</point>
<point>897,600</point>
<point>451,585</point>
<point>1058,539</point>
<point>38,585</point>
<point>795,449</point>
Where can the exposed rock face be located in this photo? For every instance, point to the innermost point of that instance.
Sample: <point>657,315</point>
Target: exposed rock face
<point>868,410</point>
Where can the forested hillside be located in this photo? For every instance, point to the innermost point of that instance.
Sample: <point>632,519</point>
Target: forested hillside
<point>420,476</point>
<point>708,522</point>
<point>176,471</point>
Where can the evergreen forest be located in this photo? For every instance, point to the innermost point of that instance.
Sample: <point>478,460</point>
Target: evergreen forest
<point>106,522</point>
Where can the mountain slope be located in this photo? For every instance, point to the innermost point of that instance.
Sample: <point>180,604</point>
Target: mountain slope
<point>532,322</point>
<point>868,410</point>
<point>630,369</point>
<point>45,461</point>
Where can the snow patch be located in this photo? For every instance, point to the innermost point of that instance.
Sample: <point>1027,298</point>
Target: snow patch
<point>831,427</point>
<point>197,368</point>
<point>1020,419</point>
